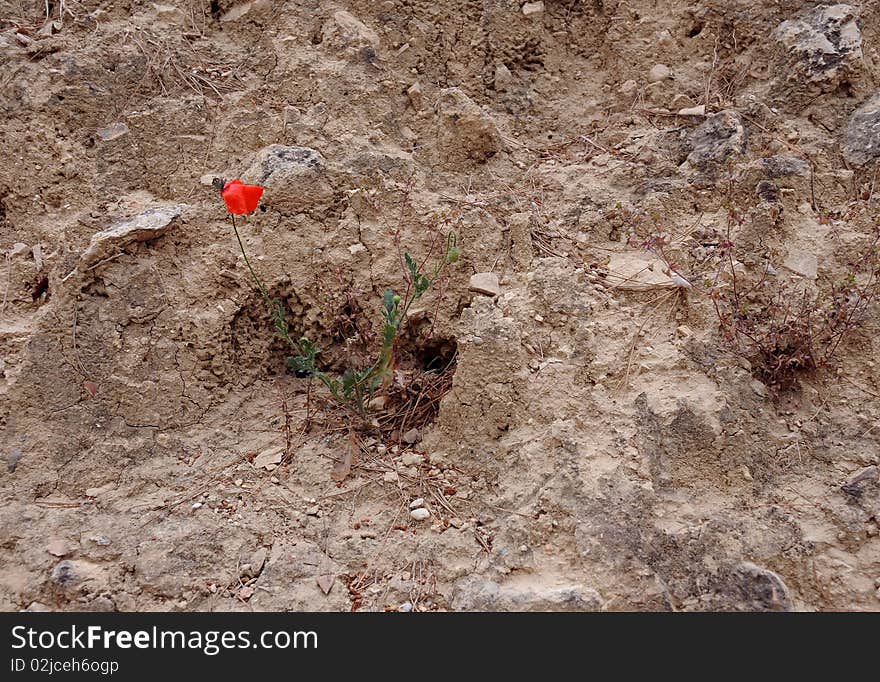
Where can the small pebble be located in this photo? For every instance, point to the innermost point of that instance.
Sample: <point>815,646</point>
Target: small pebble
<point>659,72</point>
<point>406,607</point>
<point>420,514</point>
<point>629,88</point>
<point>38,607</point>
<point>485,283</point>
<point>380,402</point>
<point>416,503</point>
<point>197,505</point>
<point>58,548</point>
<point>412,436</point>
<point>414,92</point>
<point>531,9</point>
<point>699,110</point>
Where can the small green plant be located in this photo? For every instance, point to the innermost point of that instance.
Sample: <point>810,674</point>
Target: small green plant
<point>357,386</point>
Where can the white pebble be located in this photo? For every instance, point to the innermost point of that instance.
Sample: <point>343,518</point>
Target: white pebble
<point>420,514</point>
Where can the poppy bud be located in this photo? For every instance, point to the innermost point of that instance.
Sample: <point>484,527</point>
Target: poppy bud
<point>240,198</point>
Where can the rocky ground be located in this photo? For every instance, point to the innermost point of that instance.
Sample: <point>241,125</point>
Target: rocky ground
<point>595,432</point>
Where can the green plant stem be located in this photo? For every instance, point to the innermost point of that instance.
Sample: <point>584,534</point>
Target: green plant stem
<point>274,306</point>
<point>248,263</point>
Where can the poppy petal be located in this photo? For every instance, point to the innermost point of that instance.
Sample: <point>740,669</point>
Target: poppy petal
<point>252,194</point>
<point>240,198</point>
<point>234,201</point>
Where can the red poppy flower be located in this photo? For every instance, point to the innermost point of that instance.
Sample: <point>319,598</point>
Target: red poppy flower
<point>240,198</point>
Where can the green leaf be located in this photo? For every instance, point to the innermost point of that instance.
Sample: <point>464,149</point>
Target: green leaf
<point>388,335</point>
<point>388,304</point>
<point>301,365</point>
<point>375,383</point>
<point>349,381</point>
<point>421,285</point>
<point>411,264</point>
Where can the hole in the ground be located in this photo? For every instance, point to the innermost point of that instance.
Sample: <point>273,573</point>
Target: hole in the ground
<point>435,355</point>
<point>423,376</point>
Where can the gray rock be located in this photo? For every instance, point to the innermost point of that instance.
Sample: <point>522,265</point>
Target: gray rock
<point>64,573</point>
<point>861,141</point>
<point>767,191</point>
<point>861,480</point>
<point>151,224</point>
<point>719,138</point>
<point>767,175</point>
<point>278,162</point>
<point>760,589</point>
<point>295,178</point>
<point>12,458</point>
<point>475,593</point>
<point>779,166</point>
<point>19,250</point>
<point>347,35</point>
<point>822,45</point>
